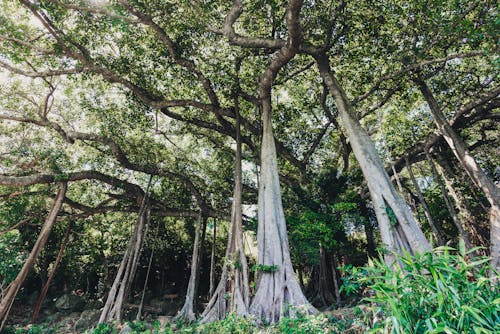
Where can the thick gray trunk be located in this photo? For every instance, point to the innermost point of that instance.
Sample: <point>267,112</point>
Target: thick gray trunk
<point>399,229</point>
<point>476,174</point>
<point>15,285</point>
<point>278,293</point>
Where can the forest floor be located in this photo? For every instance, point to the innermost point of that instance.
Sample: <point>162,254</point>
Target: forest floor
<point>352,319</point>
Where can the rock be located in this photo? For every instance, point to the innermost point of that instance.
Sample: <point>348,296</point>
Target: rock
<point>157,303</point>
<point>51,318</point>
<point>126,329</point>
<point>70,303</point>
<point>32,298</point>
<point>164,320</point>
<point>88,319</point>
<point>67,322</point>
<point>94,304</point>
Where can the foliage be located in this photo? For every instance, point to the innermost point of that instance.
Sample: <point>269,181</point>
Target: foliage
<point>440,291</point>
<point>264,268</point>
<point>309,325</point>
<point>31,329</point>
<point>320,323</point>
<point>231,324</point>
<point>11,257</point>
<point>104,329</point>
<point>352,279</point>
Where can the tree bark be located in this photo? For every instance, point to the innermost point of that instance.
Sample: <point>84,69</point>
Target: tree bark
<point>212,261</point>
<point>200,263</point>
<point>46,286</point>
<point>234,277</point>
<point>467,161</point>
<point>400,232</point>
<point>187,312</point>
<point>451,209</point>
<point>278,293</point>
<point>324,291</point>
<point>470,221</point>
<point>47,226</point>
<point>125,275</point>
<point>423,203</point>
<point>335,278</point>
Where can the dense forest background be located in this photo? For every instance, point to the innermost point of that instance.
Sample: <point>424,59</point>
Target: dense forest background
<point>205,159</point>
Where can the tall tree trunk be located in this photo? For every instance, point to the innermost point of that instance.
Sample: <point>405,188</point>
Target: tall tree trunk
<point>234,277</point>
<point>476,174</point>
<point>278,293</point>
<point>46,286</point>
<point>423,203</point>
<point>451,209</point>
<point>15,285</point>
<point>187,312</point>
<point>212,261</point>
<point>399,228</point>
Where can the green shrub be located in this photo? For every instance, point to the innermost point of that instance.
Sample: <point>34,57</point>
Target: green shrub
<point>104,329</point>
<point>11,257</point>
<point>231,324</point>
<point>304,325</point>
<point>437,292</point>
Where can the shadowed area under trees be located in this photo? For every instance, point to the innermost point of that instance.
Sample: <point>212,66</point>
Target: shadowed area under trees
<point>218,166</point>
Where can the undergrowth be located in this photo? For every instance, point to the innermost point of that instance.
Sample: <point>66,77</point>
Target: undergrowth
<point>443,291</point>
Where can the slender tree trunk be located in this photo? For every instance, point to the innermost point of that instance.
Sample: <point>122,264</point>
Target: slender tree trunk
<point>476,174</point>
<point>45,288</point>
<point>335,278</point>
<point>451,209</point>
<point>122,283</point>
<point>234,277</point>
<point>15,285</point>
<point>300,273</point>
<point>399,228</point>
<point>212,260</point>
<point>398,182</point>
<point>187,312</point>
<point>200,263</point>
<point>470,222</point>
<point>423,203</point>
<point>139,311</point>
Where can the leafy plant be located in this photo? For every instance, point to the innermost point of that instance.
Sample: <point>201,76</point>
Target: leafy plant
<point>231,324</point>
<point>265,268</point>
<point>442,291</point>
<point>104,329</point>
<point>11,257</point>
